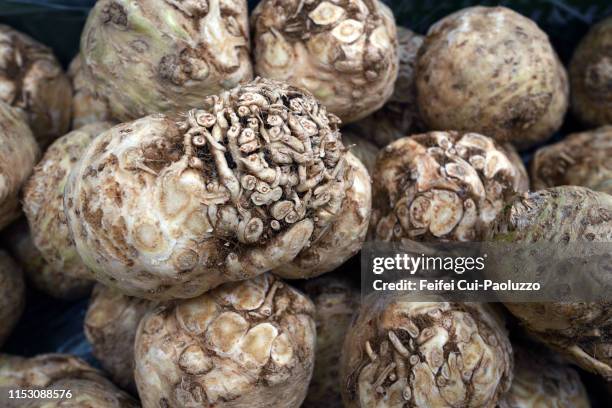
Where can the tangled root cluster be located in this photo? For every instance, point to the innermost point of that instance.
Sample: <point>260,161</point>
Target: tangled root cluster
<point>400,354</point>
<point>276,161</point>
<point>443,185</point>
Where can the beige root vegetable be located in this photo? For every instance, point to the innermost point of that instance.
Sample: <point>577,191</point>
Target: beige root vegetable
<point>110,326</point>
<point>244,344</point>
<point>32,79</point>
<point>399,117</point>
<point>562,216</point>
<point>87,387</point>
<point>335,302</point>
<point>399,353</point>
<point>541,380</point>
<point>12,295</point>
<point>18,155</point>
<point>161,56</point>
<point>344,52</point>
<point>581,159</point>
<point>40,274</point>
<point>591,75</point>
<point>87,106</point>
<point>442,185</point>
<point>491,71</point>
<point>361,147</point>
<point>172,206</point>
<point>44,208</point>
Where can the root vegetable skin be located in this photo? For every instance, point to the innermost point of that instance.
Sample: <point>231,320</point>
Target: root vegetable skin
<point>491,71</point>
<point>442,186</point>
<point>580,331</point>
<point>245,344</point>
<point>32,79</point>
<point>399,117</point>
<point>110,326</point>
<point>38,272</point>
<point>163,55</point>
<point>344,52</point>
<point>542,381</point>
<point>18,155</point>
<point>335,302</point>
<point>172,206</point>
<point>361,147</point>
<point>12,295</point>
<point>42,370</point>
<point>581,159</point>
<point>591,76</point>
<point>87,107</point>
<point>44,209</point>
<point>416,354</point>
<point>62,372</point>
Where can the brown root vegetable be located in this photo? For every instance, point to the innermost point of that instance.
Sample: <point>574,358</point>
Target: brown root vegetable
<point>399,117</point>
<point>361,147</point>
<point>541,380</point>
<point>110,326</point>
<point>44,208</point>
<point>399,353</point>
<point>562,216</point>
<point>86,385</point>
<point>335,302</point>
<point>172,206</point>
<point>18,155</point>
<point>442,186</point>
<point>87,106</point>
<point>581,159</point>
<point>491,71</point>
<point>12,295</point>
<point>39,273</point>
<point>344,52</point>
<point>591,76</point>
<point>244,344</point>
<point>164,56</point>
<point>32,79</point>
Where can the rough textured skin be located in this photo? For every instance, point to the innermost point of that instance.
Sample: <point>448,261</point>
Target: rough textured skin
<point>43,204</point>
<point>12,295</point>
<point>335,302</point>
<point>541,380</point>
<point>361,147</point>
<point>42,370</point>
<point>172,206</point>
<point>41,274</point>
<point>32,79</point>
<point>344,52</point>
<point>491,71</point>
<point>442,186</point>
<point>245,344</point>
<point>60,372</point>
<point>399,117</point>
<point>87,107</point>
<point>164,55</point>
<point>18,155</point>
<point>591,76</point>
<point>562,215</point>
<point>581,159</point>
<point>344,237</point>
<point>110,326</point>
<point>425,354</point>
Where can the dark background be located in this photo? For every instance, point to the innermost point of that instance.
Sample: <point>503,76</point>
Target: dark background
<point>50,325</point>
